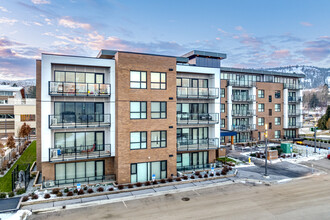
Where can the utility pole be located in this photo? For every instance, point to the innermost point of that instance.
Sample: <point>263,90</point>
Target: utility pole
<point>315,138</point>
<point>266,153</point>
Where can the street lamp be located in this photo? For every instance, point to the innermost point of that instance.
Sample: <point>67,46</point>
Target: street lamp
<point>315,127</point>
<point>266,135</point>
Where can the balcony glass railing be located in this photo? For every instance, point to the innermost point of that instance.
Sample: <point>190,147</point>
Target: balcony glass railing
<point>294,112</point>
<point>292,86</point>
<point>295,125</point>
<point>197,118</point>
<point>243,127</point>
<point>79,153</point>
<point>72,120</point>
<point>241,83</point>
<point>294,99</point>
<point>197,93</point>
<point>78,89</point>
<point>243,98</point>
<point>197,144</point>
<point>242,113</point>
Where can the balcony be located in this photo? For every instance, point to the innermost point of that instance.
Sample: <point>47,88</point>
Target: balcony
<point>294,99</point>
<point>239,83</point>
<point>244,113</point>
<point>78,89</point>
<point>244,127</point>
<point>71,120</point>
<point>79,153</point>
<point>292,86</point>
<point>197,118</point>
<point>197,93</point>
<point>295,125</point>
<point>197,144</point>
<point>243,98</point>
<point>294,112</point>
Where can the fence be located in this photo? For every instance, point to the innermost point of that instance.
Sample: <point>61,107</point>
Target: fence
<point>17,179</point>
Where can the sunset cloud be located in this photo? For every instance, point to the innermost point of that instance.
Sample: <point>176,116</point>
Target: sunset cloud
<point>8,21</point>
<point>3,9</point>
<point>40,2</point>
<point>306,24</point>
<point>70,23</point>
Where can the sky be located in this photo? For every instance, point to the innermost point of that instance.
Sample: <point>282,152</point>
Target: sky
<point>253,33</point>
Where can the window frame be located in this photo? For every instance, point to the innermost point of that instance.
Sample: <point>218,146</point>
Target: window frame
<point>277,109</point>
<point>222,110</point>
<point>140,82</point>
<point>141,142</point>
<point>160,81</point>
<point>140,112</point>
<point>161,140</point>
<point>263,109</point>
<point>261,94</point>
<point>277,94</point>
<point>261,123</point>
<point>160,111</point>
<point>222,94</point>
<point>277,122</point>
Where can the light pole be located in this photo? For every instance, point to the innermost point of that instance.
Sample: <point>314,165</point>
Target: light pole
<point>266,135</point>
<point>315,138</point>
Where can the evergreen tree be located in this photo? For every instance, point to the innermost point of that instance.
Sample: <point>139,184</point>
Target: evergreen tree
<point>323,123</point>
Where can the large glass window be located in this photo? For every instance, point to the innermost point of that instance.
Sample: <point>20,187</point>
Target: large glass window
<point>261,93</point>
<point>78,77</point>
<point>277,134</point>
<point>195,159</point>
<point>138,140</point>
<point>261,107</point>
<point>158,80</point>
<point>138,110</point>
<point>141,172</point>
<point>278,121</point>
<point>158,110</point>
<point>277,107</point>
<point>138,80</point>
<point>277,94</point>
<point>261,121</point>
<point>158,139</point>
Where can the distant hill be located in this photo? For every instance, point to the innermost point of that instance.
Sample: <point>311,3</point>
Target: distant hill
<point>315,76</point>
<point>23,83</point>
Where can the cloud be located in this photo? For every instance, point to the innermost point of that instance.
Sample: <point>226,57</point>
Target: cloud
<point>250,41</point>
<point>3,9</point>
<point>306,24</point>
<point>8,21</point>
<point>70,23</point>
<point>40,2</point>
<point>280,54</point>
<point>239,28</point>
<point>317,50</point>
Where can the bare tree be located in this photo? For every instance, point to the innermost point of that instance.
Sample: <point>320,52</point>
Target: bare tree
<point>11,142</point>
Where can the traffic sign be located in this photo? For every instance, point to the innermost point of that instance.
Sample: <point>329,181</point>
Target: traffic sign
<point>78,186</point>
<point>153,177</point>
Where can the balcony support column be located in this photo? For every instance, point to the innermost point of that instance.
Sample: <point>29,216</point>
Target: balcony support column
<point>254,105</point>
<point>285,108</point>
<point>232,142</point>
<point>229,107</point>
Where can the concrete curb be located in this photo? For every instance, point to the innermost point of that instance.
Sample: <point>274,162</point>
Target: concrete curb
<point>126,190</point>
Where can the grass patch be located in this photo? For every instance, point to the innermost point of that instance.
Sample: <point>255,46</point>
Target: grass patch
<point>227,159</point>
<point>28,156</point>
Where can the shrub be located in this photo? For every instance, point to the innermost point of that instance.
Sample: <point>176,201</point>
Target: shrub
<point>11,194</point>
<point>66,190</point>
<point>47,196</point>
<point>75,191</point>
<point>197,173</point>
<point>55,191</point>
<point>200,176</point>
<point>85,188</point>
<point>120,186</point>
<point>138,184</point>
<point>116,183</point>
<point>81,192</point>
<point>178,179</point>
<point>13,154</point>
<point>224,171</point>
<point>25,198</point>
<point>34,196</point>
<point>100,189</point>
<point>230,168</point>
<point>59,194</point>
<point>185,177</point>
<point>155,182</point>
<point>90,190</point>
<point>163,181</point>
<point>205,175</point>
<point>148,183</point>
<point>20,191</point>
<point>130,185</point>
<point>2,195</point>
<point>110,189</point>
<point>69,193</point>
<point>170,179</point>
<point>5,163</point>
<point>217,173</point>
<point>192,177</point>
<point>211,174</point>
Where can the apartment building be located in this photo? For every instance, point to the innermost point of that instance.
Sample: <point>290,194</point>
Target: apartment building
<point>131,116</point>
<point>251,99</point>
<point>15,110</point>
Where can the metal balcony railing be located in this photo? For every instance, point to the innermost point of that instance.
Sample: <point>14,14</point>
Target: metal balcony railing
<point>78,89</point>
<point>241,83</point>
<point>79,153</point>
<point>294,99</point>
<point>244,127</point>
<point>74,181</point>
<point>243,98</point>
<point>197,93</point>
<point>197,144</point>
<point>241,113</point>
<point>72,120</point>
<point>292,86</point>
<point>197,118</point>
<point>295,125</point>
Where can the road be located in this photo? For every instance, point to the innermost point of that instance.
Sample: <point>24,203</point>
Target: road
<point>299,199</point>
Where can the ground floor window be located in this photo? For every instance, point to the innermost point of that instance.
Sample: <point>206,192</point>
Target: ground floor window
<point>192,159</point>
<point>79,171</point>
<point>290,133</point>
<point>242,137</point>
<point>141,172</point>
<point>222,139</point>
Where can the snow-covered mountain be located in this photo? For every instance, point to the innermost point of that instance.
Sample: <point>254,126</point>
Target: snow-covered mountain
<point>315,76</point>
<point>23,83</point>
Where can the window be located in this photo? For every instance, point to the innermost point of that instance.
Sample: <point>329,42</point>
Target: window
<point>5,93</point>
<point>138,110</point>
<point>270,125</point>
<point>261,121</point>
<point>261,93</point>
<point>158,81</point>
<point>277,107</point>
<point>28,117</point>
<point>223,123</point>
<point>270,112</point>
<point>138,140</point>
<point>138,80</point>
<point>277,94</point>
<point>278,121</point>
<point>158,110</point>
<point>80,141</point>
<point>78,77</point>
<point>222,107</point>
<point>222,93</point>
<point>277,134</point>
<point>141,172</point>
<point>270,98</point>
<point>179,82</point>
<point>158,139</point>
<point>222,139</point>
<point>261,107</point>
